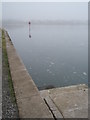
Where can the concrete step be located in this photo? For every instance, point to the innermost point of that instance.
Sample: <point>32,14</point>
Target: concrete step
<point>71,102</point>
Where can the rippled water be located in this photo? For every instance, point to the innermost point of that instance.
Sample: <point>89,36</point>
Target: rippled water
<point>55,55</point>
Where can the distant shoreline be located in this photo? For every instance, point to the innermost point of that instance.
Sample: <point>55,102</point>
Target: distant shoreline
<point>45,22</point>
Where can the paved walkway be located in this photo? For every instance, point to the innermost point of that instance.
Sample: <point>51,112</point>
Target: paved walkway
<point>71,102</point>
<point>0,74</point>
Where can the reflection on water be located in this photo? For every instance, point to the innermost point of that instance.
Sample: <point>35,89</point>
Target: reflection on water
<point>55,55</point>
<point>29,36</point>
<point>29,29</point>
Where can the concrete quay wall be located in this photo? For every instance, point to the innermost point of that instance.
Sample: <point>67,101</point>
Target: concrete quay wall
<point>30,104</point>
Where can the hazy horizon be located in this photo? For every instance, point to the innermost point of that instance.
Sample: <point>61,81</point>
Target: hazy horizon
<point>41,12</point>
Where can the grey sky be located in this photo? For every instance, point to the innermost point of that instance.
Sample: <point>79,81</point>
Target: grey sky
<point>45,11</point>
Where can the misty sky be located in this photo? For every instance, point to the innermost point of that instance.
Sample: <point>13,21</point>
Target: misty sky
<point>45,11</point>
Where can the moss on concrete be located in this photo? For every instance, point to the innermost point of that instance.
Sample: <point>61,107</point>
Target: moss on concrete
<point>6,65</point>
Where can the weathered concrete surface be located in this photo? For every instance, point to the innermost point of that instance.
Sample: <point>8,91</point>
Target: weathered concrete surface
<point>72,102</point>
<point>53,108</point>
<point>0,74</point>
<point>30,104</point>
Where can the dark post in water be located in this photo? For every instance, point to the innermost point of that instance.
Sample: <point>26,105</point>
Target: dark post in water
<point>29,29</point>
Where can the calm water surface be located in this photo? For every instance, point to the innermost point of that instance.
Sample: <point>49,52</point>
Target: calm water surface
<point>54,55</point>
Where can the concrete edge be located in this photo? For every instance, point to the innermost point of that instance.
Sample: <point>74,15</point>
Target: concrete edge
<point>30,104</point>
<point>72,87</point>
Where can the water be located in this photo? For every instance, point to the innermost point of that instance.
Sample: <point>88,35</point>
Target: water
<point>55,55</point>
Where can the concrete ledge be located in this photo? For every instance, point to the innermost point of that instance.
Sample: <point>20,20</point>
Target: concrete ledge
<point>30,104</point>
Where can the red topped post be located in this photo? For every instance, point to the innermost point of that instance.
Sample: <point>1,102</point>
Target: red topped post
<point>29,29</point>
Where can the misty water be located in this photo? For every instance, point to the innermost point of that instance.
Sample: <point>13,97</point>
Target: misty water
<point>55,55</point>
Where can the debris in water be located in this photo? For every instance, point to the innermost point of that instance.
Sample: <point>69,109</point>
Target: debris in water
<point>74,72</point>
<point>47,70</point>
<point>84,73</point>
<point>52,63</point>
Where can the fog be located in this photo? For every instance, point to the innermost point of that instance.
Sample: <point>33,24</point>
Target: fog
<point>45,13</point>
<point>55,48</point>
